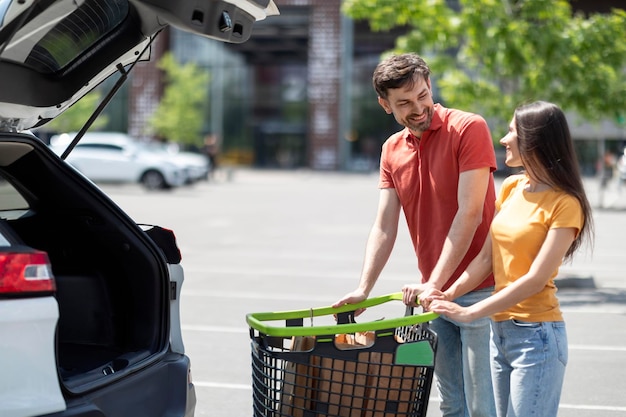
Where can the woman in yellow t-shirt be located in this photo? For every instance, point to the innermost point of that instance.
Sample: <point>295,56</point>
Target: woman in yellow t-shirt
<point>542,217</point>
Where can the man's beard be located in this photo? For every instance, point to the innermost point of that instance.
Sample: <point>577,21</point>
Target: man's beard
<point>420,126</point>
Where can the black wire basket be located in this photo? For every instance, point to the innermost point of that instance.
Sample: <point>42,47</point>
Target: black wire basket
<point>382,368</point>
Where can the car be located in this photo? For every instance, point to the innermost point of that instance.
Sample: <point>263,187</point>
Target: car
<point>196,165</point>
<point>116,157</point>
<point>89,298</point>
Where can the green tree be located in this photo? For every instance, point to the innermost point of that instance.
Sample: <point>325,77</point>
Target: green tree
<point>180,114</point>
<point>488,56</point>
<point>74,118</point>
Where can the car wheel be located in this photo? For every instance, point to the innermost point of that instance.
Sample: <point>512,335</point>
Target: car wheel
<point>153,180</point>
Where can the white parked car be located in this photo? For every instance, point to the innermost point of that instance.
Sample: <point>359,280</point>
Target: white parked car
<point>196,165</point>
<point>114,157</point>
<point>89,300</point>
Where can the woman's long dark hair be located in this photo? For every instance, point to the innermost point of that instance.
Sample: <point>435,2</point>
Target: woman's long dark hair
<point>547,153</point>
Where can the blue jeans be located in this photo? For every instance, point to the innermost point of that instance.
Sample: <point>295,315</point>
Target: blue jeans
<point>528,367</point>
<point>462,363</point>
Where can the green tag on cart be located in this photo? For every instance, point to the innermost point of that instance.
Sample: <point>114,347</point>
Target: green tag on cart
<point>418,353</point>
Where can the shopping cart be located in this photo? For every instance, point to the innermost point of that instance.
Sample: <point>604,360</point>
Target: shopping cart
<point>380,368</point>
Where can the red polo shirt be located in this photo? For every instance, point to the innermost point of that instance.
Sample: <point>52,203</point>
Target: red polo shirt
<point>425,174</point>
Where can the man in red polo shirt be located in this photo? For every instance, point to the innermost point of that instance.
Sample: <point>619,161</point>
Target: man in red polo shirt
<point>438,171</point>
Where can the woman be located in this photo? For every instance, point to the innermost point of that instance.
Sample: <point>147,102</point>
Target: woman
<point>542,217</point>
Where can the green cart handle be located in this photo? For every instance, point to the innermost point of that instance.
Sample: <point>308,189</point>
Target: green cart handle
<point>255,320</point>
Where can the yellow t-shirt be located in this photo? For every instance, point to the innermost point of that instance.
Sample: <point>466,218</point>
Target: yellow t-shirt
<point>518,232</point>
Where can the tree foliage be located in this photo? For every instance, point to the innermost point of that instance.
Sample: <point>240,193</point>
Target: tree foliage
<point>74,118</point>
<point>488,56</point>
<point>181,112</point>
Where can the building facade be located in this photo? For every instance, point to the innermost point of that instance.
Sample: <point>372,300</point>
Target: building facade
<point>281,99</point>
<point>297,94</point>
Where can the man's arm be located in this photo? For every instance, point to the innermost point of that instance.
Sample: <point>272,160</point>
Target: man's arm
<point>471,194</point>
<point>473,185</point>
<point>380,243</point>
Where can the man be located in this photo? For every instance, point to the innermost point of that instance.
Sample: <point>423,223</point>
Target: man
<point>438,171</point>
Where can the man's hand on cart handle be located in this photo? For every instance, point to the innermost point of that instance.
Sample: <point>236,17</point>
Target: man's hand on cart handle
<point>414,295</point>
<point>353,297</point>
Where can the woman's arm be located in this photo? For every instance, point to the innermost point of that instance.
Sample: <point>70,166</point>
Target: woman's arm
<point>547,261</point>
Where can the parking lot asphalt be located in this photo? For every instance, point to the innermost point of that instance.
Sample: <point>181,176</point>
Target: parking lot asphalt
<point>266,240</point>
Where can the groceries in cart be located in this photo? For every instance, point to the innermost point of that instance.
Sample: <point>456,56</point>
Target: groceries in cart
<point>380,368</point>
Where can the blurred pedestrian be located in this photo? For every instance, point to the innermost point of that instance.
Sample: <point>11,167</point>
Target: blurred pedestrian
<point>210,149</point>
<point>438,172</point>
<point>542,218</point>
<point>621,169</point>
<point>607,167</point>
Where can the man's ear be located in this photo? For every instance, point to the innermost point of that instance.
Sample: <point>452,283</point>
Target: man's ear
<point>384,104</point>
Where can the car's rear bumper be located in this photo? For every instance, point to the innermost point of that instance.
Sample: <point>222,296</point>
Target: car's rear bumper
<point>162,389</point>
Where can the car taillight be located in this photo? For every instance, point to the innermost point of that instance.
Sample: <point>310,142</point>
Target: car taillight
<point>25,272</point>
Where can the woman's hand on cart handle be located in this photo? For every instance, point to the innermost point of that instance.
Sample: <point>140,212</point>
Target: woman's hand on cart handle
<point>353,297</point>
<point>430,295</point>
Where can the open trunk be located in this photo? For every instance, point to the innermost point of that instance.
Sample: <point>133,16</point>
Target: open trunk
<point>112,279</point>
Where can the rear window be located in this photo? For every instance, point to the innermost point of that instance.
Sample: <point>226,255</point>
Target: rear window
<point>12,204</point>
<point>62,33</point>
<point>3,240</point>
